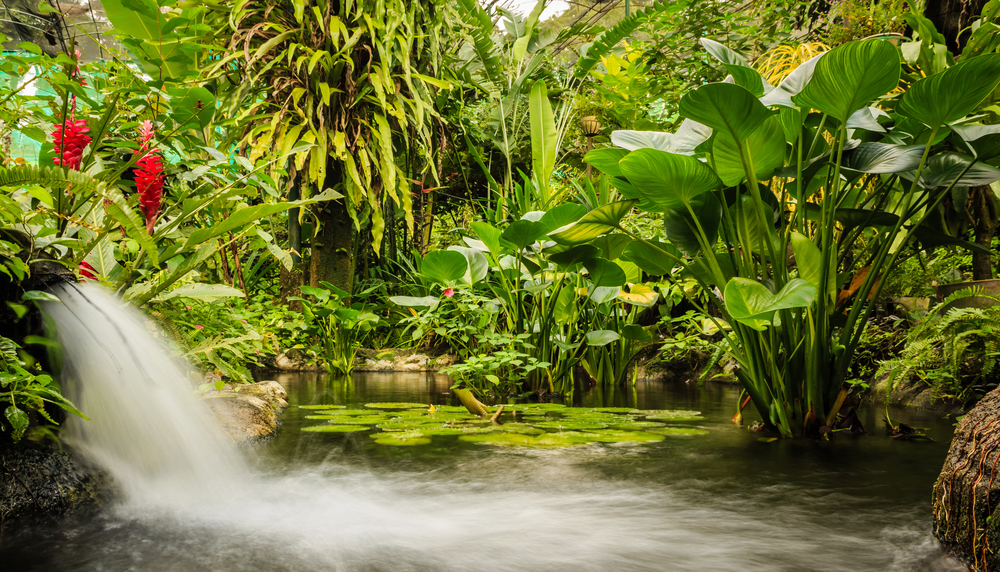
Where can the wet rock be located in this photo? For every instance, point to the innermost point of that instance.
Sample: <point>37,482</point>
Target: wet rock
<point>400,360</point>
<point>914,394</point>
<point>248,413</point>
<point>37,480</point>
<point>294,360</point>
<point>967,492</point>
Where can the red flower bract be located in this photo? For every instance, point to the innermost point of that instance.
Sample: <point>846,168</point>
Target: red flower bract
<point>149,177</point>
<point>69,140</point>
<point>87,271</point>
<point>149,181</point>
<point>449,292</point>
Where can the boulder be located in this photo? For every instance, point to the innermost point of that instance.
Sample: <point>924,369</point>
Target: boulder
<point>248,413</point>
<point>37,480</point>
<point>294,360</point>
<point>967,493</point>
<point>400,360</point>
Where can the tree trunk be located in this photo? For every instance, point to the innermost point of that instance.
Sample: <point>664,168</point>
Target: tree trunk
<point>332,254</point>
<point>984,210</point>
<point>289,281</point>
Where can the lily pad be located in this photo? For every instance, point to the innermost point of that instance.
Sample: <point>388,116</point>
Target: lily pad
<point>570,425</point>
<point>621,437</point>
<point>322,407</point>
<point>613,409</point>
<point>357,420</point>
<point>350,412</point>
<point>395,405</point>
<point>401,439</point>
<point>545,440</point>
<point>335,428</point>
<point>678,431</point>
<point>672,414</point>
<point>449,409</point>
<point>634,425</point>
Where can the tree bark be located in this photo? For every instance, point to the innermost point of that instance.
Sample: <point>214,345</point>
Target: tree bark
<point>332,254</point>
<point>985,214</point>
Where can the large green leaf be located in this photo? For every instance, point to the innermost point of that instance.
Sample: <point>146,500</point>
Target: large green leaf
<point>810,261</point>
<point>523,233</point>
<point>611,245</point>
<point>753,304</point>
<point>205,292</point>
<point>238,219</point>
<point>792,85</point>
<point>981,140</point>
<point>851,218</point>
<point>444,266</point>
<point>651,257</point>
<point>952,94</point>
<point>141,19</point>
<point>543,137</point>
<point>883,158</point>
<point>723,53</point>
<point>725,107</point>
<point>195,104</point>
<point>558,217</point>
<point>606,160</point>
<point>489,235</point>
<point>850,76</point>
<point>478,265</point>
<point>749,78</point>
<point>604,272</point>
<point>595,223</point>
<point>411,302</point>
<point>635,140</point>
<point>601,337</point>
<point>575,255</point>
<point>943,169</point>
<point>765,150</point>
<point>682,232</point>
<point>668,180</point>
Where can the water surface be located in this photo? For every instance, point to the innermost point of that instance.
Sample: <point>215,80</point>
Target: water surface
<point>721,501</point>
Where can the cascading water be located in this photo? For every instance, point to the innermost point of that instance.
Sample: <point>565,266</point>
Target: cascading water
<point>190,502</point>
<point>145,427</point>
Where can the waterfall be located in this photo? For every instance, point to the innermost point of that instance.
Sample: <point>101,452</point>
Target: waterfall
<point>146,426</point>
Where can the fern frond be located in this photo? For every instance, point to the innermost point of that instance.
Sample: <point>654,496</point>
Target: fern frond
<point>20,176</point>
<point>610,37</point>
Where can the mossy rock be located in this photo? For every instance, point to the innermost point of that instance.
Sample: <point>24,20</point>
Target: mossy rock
<point>335,428</point>
<point>678,431</point>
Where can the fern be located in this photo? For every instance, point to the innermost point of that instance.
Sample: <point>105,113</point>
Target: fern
<point>25,175</point>
<point>482,39</point>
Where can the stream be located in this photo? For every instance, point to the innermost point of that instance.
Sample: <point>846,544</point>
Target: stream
<point>725,500</point>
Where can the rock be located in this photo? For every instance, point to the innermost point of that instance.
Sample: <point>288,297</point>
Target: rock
<point>36,480</point>
<point>912,394</point>
<point>248,413</point>
<point>967,494</point>
<point>293,360</point>
<point>400,360</point>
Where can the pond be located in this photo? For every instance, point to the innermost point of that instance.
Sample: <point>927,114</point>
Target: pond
<point>721,500</point>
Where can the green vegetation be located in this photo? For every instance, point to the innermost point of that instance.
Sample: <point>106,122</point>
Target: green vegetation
<point>550,201</point>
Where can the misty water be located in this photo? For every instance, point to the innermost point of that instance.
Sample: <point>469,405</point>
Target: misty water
<point>322,501</point>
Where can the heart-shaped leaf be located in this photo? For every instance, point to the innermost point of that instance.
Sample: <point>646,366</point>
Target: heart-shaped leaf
<point>651,258</point>
<point>752,303</point>
<point>666,179</point>
<point>725,107</point>
<point>444,266</point>
<point>682,232</point>
<point>952,94</point>
<point>850,76</point>
<point>603,219</point>
<point>765,150</point>
<point>604,272</point>
<point>606,160</point>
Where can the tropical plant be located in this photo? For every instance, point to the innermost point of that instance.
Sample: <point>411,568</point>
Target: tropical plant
<point>341,328</point>
<point>792,291</point>
<point>356,83</point>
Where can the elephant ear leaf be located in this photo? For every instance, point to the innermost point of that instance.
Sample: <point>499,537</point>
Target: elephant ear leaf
<point>725,107</point>
<point>753,304</point>
<point>601,220</point>
<point>850,76</point>
<point>952,94</point>
<point>668,180</point>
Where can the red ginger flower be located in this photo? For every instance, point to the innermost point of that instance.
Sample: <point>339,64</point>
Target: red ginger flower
<point>69,140</point>
<point>149,177</point>
<point>87,271</point>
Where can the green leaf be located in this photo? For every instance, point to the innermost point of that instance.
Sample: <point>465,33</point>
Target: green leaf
<point>604,272</point>
<point>668,180</point>
<point>411,302</point>
<point>765,147</point>
<point>611,245</point>
<point>18,421</point>
<point>651,258</point>
<point>562,215</point>
<point>682,232</point>
<point>723,53</point>
<point>636,332</point>
<point>603,219</point>
<point>952,94</point>
<point>635,140</point>
<point>725,107</point>
<point>523,233</point>
<point>606,160</point>
<point>575,255</point>
<point>853,217</point>
<point>792,85</point>
<point>748,78</point>
<point>140,20</point>
<point>478,265</point>
<point>753,304</point>
<point>237,220</point>
<point>883,158</point>
<point>444,266</point>
<point>206,292</point>
<point>809,260</point>
<point>195,104</point>
<point>850,76</point>
<point>943,169</point>
<point>490,235</point>
<point>982,140</point>
<point>601,337</point>
<point>544,138</point>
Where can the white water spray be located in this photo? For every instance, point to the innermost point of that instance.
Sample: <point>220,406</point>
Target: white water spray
<point>145,427</point>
